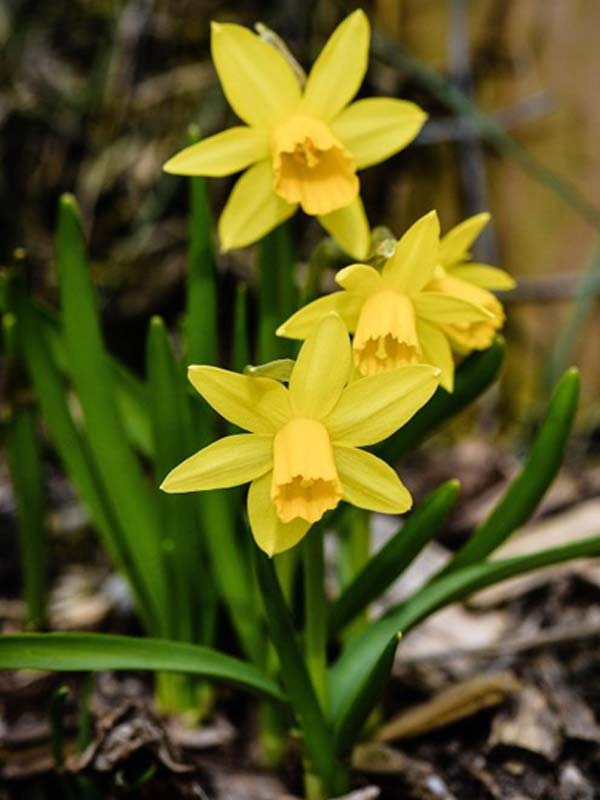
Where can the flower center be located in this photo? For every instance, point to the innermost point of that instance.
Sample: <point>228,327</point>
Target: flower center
<point>311,167</point>
<point>305,480</point>
<point>386,333</point>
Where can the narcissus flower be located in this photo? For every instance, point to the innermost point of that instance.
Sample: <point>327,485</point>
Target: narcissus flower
<point>301,453</point>
<point>458,275</point>
<point>302,146</point>
<point>397,319</point>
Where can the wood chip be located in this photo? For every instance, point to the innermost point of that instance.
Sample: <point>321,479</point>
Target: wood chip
<point>530,725</point>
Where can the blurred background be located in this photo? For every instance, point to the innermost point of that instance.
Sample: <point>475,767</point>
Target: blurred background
<point>97,94</point>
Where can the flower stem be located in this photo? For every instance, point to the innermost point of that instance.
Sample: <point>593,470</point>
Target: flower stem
<point>315,612</point>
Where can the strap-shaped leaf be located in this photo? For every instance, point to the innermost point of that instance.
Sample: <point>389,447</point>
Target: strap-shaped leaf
<point>397,554</point>
<point>472,378</point>
<point>133,504</point>
<point>73,451</point>
<point>351,723</point>
<point>359,659</point>
<point>527,489</point>
<point>318,737</point>
<point>72,652</point>
<point>190,585</point>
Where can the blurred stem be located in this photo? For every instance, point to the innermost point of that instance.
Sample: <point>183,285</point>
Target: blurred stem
<point>315,611</point>
<point>355,547</point>
<point>277,292</point>
<point>26,473</point>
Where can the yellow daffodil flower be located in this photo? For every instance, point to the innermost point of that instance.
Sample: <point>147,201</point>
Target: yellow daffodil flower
<point>395,319</point>
<point>301,453</point>
<point>300,146</point>
<point>457,275</point>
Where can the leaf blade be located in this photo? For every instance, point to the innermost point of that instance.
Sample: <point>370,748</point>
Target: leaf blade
<point>72,652</point>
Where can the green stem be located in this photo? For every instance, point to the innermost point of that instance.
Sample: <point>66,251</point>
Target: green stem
<point>315,632</point>
<point>356,547</point>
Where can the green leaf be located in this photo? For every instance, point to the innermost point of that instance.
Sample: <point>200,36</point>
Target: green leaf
<point>129,390</point>
<point>386,565</point>
<point>72,652</point>
<point>362,654</point>
<point>28,482</point>
<point>476,373</point>
<point>200,331</point>
<point>132,503</point>
<point>173,442</point>
<point>351,723</point>
<point>72,449</point>
<point>277,292</point>
<point>301,694</point>
<point>527,489</point>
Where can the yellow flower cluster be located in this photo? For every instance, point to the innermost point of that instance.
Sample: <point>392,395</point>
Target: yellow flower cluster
<point>302,146</point>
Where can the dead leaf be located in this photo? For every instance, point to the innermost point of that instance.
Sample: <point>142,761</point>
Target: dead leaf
<point>457,702</point>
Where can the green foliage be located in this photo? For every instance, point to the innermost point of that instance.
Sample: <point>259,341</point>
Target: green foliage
<point>133,505</point>
<point>72,652</point>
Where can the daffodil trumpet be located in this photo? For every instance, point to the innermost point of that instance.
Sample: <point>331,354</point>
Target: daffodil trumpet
<point>409,312</point>
<point>301,146</point>
<point>302,452</point>
<point>458,275</point>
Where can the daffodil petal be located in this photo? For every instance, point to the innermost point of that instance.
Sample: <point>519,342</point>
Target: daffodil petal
<point>300,324</point>
<point>376,128</point>
<point>416,256</point>
<point>253,209</point>
<point>226,462</point>
<point>223,154</point>
<point>322,369</point>
<point>270,533</point>
<point>350,228</point>
<point>372,408</point>
<point>436,350</point>
<point>257,81</point>
<point>484,276</point>
<point>359,279</point>
<point>368,482</point>
<point>447,309</point>
<point>339,70</point>
<point>259,405</point>
<point>455,245</point>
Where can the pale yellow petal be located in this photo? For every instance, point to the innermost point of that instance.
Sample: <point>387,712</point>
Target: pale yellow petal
<point>350,228</point>
<point>223,154</point>
<point>455,244</point>
<point>436,351</point>
<point>270,533</point>
<point>359,279</point>
<point>253,209</point>
<point>339,70</point>
<point>372,408</point>
<point>259,405</point>
<point>376,128</point>
<point>368,482</point>
<point>226,462</point>
<point>416,256</point>
<point>442,308</point>
<point>322,369</point>
<point>484,276</point>
<point>257,80</point>
<point>300,324</point>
